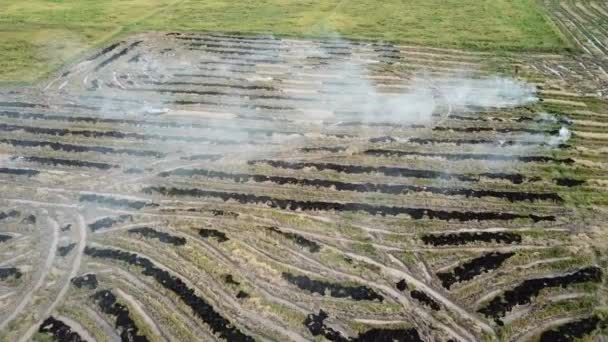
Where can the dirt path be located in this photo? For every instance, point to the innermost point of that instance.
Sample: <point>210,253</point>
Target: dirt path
<point>424,315</point>
<point>103,325</point>
<point>421,285</point>
<point>542,327</point>
<point>27,297</point>
<point>130,281</point>
<point>82,237</point>
<point>140,311</point>
<point>77,328</point>
<point>254,317</point>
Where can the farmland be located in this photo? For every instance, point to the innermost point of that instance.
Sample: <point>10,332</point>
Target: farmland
<point>36,37</point>
<point>183,182</point>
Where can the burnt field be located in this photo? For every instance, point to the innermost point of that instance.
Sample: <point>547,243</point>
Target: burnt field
<point>199,187</point>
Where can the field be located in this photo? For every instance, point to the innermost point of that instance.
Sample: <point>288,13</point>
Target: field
<point>38,36</point>
<point>182,183</point>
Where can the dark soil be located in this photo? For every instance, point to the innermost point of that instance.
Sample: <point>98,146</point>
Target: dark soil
<point>29,219</point>
<point>201,308</point>
<point>65,250</point>
<point>573,330</point>
<point>332,289</point>
<point>80,148</point>
<point>115,202</point>
<point>207,233</point>
<point>7,272</point>
<point>242,295</point>
<point>312,246</point>
<point>451,239</point>
<point>523,293</point>
<point>316,326</point>
<point>569,182</point>
<point>228,279</point>
<point>333,149</point>
<point>85,281</point>
<point>395,189</point>
<point>210,157</point>
<point>473,268</point>
<point>108,222</point>
<point>459,142</point>
<point>288,204</point>
<point>499,130</point>
<point>9,214</point>
<point>129,332</point>
<point>388,171</point>
<point>401,285</point>
<point>22,104</point>
<point>19,172</point>
<point>423,298</point>
<point>161,236</point>
<point>117,55</point>
<point>59,330</point>
<point>66,162</point>
<point>472,156</point>
<point>104,51</point>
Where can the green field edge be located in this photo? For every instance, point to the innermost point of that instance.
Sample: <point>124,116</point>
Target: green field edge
<point>506,51</point>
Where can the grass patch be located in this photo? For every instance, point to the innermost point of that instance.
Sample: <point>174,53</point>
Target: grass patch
<point>38,36</point>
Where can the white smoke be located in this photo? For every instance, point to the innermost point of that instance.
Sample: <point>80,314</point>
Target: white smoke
<point>359,96</point>
<point>563,136</point>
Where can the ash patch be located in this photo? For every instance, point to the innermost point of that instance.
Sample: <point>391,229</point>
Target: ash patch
<point>59,330</point>
<point>332,289</point>
<point>85,281</point>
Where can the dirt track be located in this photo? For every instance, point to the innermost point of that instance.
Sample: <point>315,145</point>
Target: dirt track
<point>231,187</point>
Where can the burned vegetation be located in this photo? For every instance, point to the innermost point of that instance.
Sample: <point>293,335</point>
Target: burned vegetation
<point>203,187</point>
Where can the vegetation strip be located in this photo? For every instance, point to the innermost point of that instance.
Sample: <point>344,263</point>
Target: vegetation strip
<point>205,311</point>
<point>523,293</point>
<point>391,171</point>
<point>473,268</point>
<point>332,289</point>
<point>395,189</point>
<point>289,204</point>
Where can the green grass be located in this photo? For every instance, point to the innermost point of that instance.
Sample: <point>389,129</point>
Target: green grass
<point>37,36</point>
